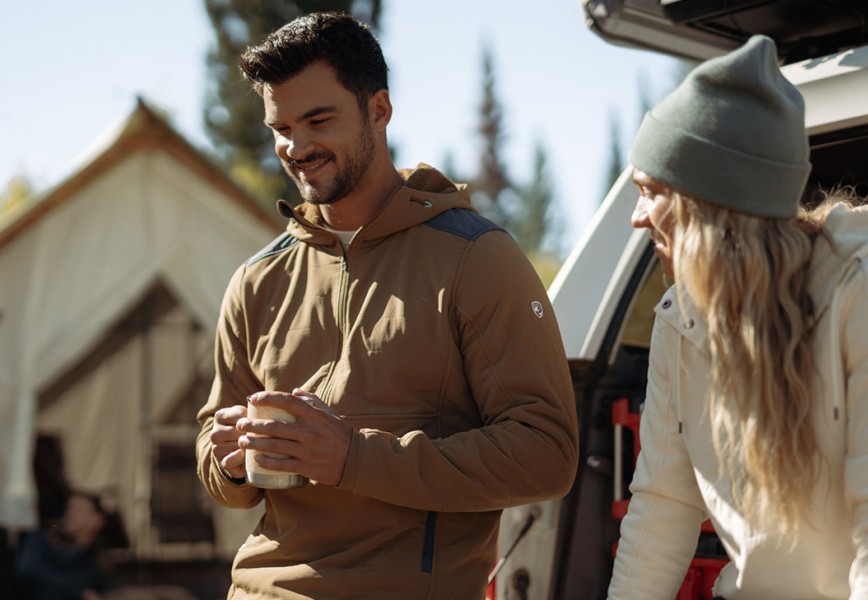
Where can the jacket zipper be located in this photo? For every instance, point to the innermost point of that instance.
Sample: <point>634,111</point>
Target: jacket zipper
<point>341,319</point>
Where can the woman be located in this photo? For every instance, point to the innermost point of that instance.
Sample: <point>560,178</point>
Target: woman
<point>756,414</point>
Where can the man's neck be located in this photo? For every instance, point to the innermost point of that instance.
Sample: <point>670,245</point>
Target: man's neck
<point>359,208</point>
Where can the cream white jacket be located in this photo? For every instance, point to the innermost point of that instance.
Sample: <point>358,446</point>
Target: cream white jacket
<point>676,484</point>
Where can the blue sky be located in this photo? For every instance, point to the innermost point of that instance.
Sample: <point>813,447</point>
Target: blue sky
<point>73,69</point>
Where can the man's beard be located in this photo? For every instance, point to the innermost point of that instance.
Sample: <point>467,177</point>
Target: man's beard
<point>347,177</point>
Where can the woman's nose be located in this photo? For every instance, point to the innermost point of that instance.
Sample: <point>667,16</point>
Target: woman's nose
<point>639,219</point>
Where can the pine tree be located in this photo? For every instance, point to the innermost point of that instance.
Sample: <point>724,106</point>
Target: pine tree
<point>233,113</point>
<point>523,210</point>
<point>492,182</point>
<point>533,223</point>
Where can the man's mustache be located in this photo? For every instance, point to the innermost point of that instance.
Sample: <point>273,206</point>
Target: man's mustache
<point>310,158</point>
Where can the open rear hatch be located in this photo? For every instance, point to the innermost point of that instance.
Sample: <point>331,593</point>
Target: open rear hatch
<point>700,29</point>
<point>606,290</point>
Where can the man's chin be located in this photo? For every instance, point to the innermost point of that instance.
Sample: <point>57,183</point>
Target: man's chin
<point>307,192</point>
<point>312,196</point>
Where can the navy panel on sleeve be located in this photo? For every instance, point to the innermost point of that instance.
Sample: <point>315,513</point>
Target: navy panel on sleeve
<point>282,242</point>
<point>463,223</point>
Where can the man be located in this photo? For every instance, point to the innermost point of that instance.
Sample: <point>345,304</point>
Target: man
<point>408,336</point>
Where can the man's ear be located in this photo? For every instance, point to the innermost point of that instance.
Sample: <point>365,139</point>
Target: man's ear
<point>380,109</point>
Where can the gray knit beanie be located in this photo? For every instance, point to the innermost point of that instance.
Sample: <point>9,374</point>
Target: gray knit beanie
<point>733,134</point>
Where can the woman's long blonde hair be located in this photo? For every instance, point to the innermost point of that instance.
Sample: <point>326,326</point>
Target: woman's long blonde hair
<point>748,276</point>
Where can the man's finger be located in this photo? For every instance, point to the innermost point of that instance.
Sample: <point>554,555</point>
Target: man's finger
<point>314,401</point>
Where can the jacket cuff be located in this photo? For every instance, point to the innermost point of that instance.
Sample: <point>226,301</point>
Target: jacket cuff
<point>354,459</point>
<point>227,476</point>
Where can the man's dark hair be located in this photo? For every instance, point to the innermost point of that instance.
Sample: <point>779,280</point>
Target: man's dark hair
<point>341,41</point>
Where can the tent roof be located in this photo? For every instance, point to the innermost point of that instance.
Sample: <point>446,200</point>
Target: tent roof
<point>145,210</point>
<point>143,130</point>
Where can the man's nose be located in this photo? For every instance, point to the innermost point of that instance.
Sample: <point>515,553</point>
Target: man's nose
<point>293,147</point>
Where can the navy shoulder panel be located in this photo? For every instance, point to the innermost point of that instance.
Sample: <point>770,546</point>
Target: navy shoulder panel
<point>463,223</point>
<point>285,241</point>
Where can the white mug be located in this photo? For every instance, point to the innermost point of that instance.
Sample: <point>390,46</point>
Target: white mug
<point>258,475</point>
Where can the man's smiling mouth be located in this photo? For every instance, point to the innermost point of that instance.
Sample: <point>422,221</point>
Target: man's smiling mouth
<point>309,164</point>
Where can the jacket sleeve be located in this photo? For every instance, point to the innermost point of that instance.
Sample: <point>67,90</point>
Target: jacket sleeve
<point>514,361</point>
<point>854,333</point>
<point>233,382</point>
<point>661,528</point>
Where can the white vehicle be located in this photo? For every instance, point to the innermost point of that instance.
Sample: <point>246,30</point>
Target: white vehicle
<point>606,289</point>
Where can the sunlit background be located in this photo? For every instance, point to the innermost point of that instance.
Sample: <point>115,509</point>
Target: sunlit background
<point>72,69</point>
<point>116,244</point>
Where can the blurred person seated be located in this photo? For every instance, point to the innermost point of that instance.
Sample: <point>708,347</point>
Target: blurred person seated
<point>62,563</point>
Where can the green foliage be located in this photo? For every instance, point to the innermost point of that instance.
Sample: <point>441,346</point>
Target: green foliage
<point>546,265</point>
<point>266,188</point>
<point>18,192</point>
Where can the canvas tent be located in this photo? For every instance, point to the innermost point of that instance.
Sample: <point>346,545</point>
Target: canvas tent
<point>110,287</point>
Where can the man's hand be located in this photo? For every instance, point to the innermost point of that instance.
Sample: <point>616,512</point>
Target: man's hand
<point>315,446</point>
<point>224,440</point>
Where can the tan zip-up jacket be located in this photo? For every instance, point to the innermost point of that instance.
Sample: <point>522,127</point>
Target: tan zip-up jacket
<point>433,336</point>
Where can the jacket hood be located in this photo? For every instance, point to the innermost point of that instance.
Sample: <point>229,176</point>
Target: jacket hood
<point>843,241</point>
<point>425,194</point>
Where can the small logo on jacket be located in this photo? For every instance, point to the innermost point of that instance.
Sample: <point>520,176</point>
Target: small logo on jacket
<point>536,307</point>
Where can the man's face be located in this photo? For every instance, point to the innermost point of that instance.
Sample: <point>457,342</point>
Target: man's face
<point>652,212</point>
<point>323,139</point>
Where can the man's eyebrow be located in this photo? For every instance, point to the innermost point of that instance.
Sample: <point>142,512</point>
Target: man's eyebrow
<point>314,112</point>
